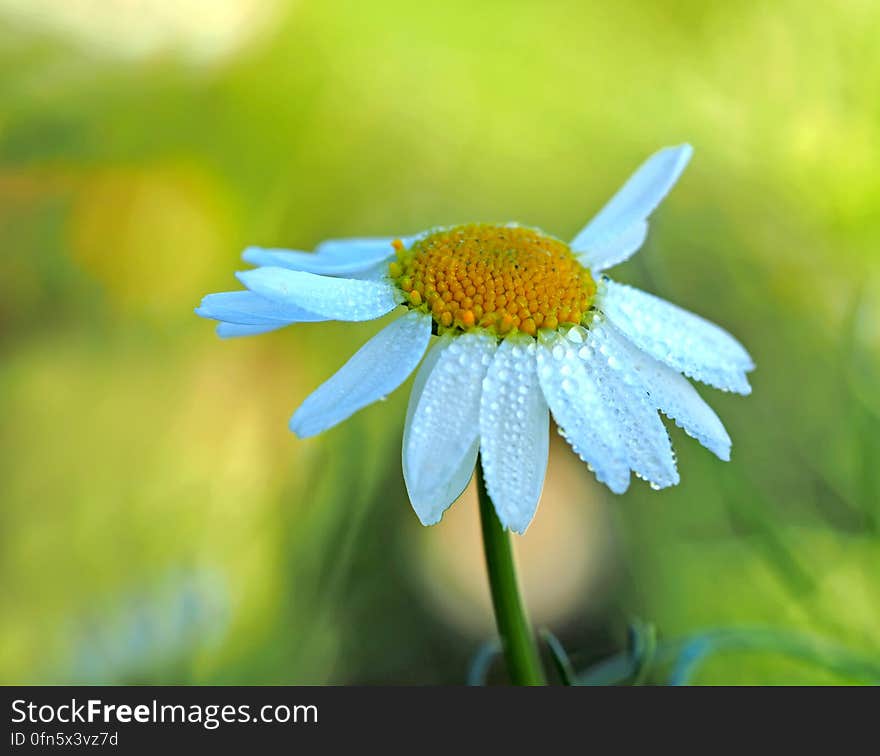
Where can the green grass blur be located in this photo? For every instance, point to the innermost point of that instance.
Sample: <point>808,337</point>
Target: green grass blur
<point>158,523</point>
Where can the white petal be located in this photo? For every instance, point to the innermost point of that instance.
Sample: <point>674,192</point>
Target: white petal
<point>514,433</point>
<point>337,257</point>
<point>333,298</point>
<point>247,308</point>
<point>649,450</point>
<point>607,253</point>
<point>442,427</point>
<point>682,340</point>
<point>576,403</point>
<point>669,391</point>
<point>620,227</point>
<point>374,273</point>
<point>234,330</point>
<point>428,511</point>
<point>375,370</point>
<point>346,249</point>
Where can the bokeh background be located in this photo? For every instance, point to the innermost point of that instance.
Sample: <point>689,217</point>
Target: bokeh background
<point>158,522</point>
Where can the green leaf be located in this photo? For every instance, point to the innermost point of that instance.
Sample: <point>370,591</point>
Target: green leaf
<point>643,647</point>
<point>561,662</point>
<point>478,671</point>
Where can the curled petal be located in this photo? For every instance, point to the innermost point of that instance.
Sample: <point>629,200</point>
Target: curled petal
<point>332,298</point>
<point>441,436</point>
<point>669,391</point>
<point>514,437</point>
<point>577,405</point>
<point>247,308</point>
<point>676,337</point>
<point>620,227</point>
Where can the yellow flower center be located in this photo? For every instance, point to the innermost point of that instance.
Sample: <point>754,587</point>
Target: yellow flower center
<point>500,278</point>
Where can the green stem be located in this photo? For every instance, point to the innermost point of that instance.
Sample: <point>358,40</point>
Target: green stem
<point>517,640</point>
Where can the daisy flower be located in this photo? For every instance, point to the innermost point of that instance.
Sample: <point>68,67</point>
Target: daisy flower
<point>524,326</point>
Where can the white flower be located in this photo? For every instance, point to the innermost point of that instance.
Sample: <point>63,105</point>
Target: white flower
<point>523,330</point>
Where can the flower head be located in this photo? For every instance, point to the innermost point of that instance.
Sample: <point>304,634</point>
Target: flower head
<point>525,326</point>
<point>498,278</point>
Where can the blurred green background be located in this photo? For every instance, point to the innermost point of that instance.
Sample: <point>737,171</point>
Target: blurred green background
<point>160,524</point>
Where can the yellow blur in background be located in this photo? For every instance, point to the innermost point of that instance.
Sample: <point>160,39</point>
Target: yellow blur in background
<point>158,522</point>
